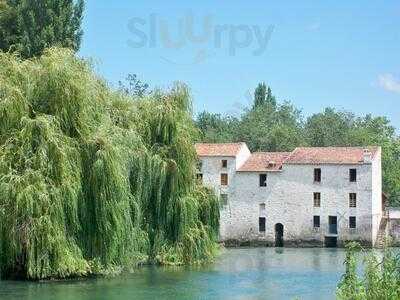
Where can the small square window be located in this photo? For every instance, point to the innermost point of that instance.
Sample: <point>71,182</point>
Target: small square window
<point>352,222</point>
<point>317,199</point>
<point>316,221</point>
<point>223,200</point>
<point>199,177</point>
<point>352,200</point>
<point>224,163</point>
<point>224,179</point>
<point>263,179</point>
<point>261,224</point>
<point>353,175</point>
<point>317,175</point>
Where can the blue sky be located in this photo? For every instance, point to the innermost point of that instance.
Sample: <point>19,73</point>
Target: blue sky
<point>330,53</point>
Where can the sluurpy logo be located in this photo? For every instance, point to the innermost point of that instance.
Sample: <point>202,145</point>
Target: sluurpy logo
<point>202,38</point>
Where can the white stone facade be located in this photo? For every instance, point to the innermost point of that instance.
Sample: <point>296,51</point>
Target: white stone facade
<point>288,199</point>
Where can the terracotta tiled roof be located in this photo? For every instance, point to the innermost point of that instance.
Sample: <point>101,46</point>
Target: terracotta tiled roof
<point>264,161</point>
<point>329,155</point>
<point>225,149</point>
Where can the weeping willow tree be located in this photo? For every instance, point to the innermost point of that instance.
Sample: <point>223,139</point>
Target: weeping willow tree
<point>92,181</point>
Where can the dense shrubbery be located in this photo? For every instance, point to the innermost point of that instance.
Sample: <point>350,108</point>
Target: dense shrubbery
<point>93,181</point>
<point>380,279</point>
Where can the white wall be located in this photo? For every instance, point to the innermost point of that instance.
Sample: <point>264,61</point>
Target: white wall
<point>376,193</point>
<point>289,200</point>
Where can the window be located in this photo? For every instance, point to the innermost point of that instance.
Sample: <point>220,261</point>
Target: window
<point>261,224</point>
<point>317,199</point>
<point>262,208</point>
<point>352,200</point>
<point>224,179</point>
<point>223,199</point>
<point>263,179</point>
<point>316,222</point>
<point>199,165</point>
<point>353,175</point>
<point>199,177</point>
<point>317,175</point>
<point>352,222</point>
<point>224,163</point>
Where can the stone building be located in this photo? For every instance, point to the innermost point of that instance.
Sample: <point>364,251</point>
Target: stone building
<point>311,196</point>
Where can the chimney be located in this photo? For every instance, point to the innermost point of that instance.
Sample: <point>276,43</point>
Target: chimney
<point>367,156</point>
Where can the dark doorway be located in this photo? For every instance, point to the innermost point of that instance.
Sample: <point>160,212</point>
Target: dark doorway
<point>331,241</point>
<point>332,224</point>
<point>278,235</point>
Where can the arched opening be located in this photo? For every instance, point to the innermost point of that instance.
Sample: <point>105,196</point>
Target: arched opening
<point>278,235</point>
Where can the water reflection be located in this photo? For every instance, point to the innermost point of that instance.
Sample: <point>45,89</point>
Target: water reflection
<point>258,273</point>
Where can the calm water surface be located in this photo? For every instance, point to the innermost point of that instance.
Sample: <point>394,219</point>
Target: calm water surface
<point>257,273</point>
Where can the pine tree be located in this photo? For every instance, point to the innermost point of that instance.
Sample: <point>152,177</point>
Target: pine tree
<point>31,26</point>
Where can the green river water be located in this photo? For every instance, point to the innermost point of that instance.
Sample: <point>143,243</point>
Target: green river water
<point>245,273</point>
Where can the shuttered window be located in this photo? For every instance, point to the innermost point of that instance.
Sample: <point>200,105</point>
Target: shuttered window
<point>352,200</point>
<point>317,199</point>
<point>224,179</point>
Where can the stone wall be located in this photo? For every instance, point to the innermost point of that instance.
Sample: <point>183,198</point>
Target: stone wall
<point>288,199</point>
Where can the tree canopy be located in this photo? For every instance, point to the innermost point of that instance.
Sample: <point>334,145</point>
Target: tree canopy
<point>30,26</point>
<point>92,181</point>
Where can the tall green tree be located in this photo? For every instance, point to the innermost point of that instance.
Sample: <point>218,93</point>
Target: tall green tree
<point>30,26</point>
<point>263,96</point>
<point>269,128</point>
<point>215,128</point>
<point>329,128</point>
<point>260,95</point>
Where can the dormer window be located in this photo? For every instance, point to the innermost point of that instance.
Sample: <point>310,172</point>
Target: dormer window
<point>224,163</point>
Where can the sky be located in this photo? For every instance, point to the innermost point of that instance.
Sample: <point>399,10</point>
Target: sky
<point>315,54</point>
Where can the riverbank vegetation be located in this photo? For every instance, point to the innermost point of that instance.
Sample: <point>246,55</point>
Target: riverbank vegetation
<point>380,278</point>
<point>273,125</point>
<point>92,180</point>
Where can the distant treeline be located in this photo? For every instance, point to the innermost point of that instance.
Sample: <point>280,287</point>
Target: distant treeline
<point>271,125</point>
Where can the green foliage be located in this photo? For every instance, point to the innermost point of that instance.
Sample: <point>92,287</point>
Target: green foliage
<point>133,86</point>
<point>216,128</point>
<point>380,279</point>
<point>329,128</point>
<point>260,95</point>
<point>271,128</point>
<point>92,181</point>
<point>31,26</point>
<point>263,96</point>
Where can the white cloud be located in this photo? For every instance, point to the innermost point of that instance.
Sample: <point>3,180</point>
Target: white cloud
<point>389,83</point>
